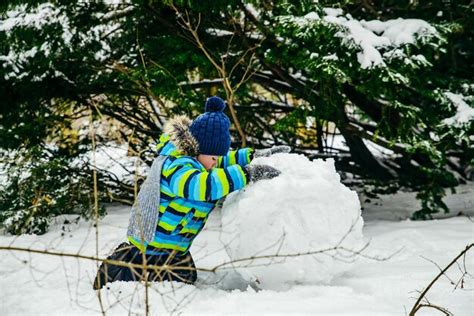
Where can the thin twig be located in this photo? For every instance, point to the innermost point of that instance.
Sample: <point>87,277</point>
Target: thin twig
<point>96,204</point>
<point>418,304</point>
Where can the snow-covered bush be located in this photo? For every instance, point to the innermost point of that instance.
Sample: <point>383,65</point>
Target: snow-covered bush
<point>36,188</point>
<point>303,210</point>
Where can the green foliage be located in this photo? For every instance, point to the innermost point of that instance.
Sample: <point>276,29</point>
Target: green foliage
<point>136,64</point>
<point>41,186</point>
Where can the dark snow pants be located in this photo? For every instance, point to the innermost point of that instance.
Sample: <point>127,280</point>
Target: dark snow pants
<point>182,267</point>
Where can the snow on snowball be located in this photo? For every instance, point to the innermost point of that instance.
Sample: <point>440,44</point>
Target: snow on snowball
<point>305,209</point>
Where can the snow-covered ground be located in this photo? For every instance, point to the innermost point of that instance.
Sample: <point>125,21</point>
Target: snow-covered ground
<point>401,205</point>
<point>42,284</point>
<point>51,285</point>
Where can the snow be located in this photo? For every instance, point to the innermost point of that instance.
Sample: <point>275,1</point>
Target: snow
<point>303,210</point>
<point>368,42</point>
<point>113,158</point>
<point>218,32</point>
<point>312,16</point>
<point>117,2</point>
<point>403,31</point>
<point>63,286</point>
<point>251,8</point>
<point>333,11</point>
<point>331,57</point>
<point>38,17</point>
<point>3,172</point>
<point>373,35</point>
<point>47,14</point>
<point>110,157</point>
<point>338,142</point>
<point>402,205</point>
<point>400,31</point>
<point>464,112</point>
<point>112,14</point>
<point>311,205</point>
<point>375,39</point>
<point>377,150</point>
<point>20,17</point>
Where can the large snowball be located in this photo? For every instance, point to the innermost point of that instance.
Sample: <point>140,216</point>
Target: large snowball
<point>303,210</point>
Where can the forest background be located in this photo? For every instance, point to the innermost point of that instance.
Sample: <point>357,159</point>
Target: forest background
<point>394,90</point>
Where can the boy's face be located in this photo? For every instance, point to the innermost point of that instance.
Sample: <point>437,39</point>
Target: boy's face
<point>208,161</point>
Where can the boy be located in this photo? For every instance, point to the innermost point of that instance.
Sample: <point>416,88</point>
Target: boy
<point>193,171</point>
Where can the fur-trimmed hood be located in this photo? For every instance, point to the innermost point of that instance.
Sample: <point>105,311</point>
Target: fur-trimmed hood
<point>177,129</point>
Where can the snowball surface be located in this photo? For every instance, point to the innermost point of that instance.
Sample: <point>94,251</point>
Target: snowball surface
<point>305,209</point>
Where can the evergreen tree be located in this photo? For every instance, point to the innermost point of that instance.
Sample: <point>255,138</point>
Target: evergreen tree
<point>394,75</point>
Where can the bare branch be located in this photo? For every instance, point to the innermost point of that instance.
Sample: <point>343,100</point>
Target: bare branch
<point>418,303</point>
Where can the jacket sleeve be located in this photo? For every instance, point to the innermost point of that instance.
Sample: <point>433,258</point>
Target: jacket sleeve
<point>240,157</point>
<point>187,181</point>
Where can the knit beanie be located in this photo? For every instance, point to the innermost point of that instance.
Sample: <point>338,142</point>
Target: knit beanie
<point>211,129</point>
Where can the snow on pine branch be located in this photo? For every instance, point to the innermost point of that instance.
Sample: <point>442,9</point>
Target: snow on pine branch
<point>372,36</point>
<point>377,41</point>
<point>43,14</point>
<point>464,112</point>
<point>36,18</point>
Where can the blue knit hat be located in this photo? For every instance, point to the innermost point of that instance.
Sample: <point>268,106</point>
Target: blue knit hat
<point>211,129</point>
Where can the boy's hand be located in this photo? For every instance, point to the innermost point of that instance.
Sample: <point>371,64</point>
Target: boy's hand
<point>260,172</point>
<point>270,151</point>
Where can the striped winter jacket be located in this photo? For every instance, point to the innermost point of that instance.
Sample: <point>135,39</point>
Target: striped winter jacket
<point>188,192</point>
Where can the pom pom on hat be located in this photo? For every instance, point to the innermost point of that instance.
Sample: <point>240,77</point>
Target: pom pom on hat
<point>214,104</point>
